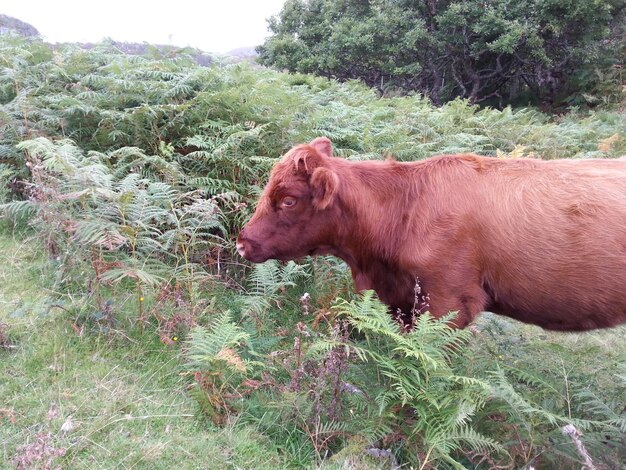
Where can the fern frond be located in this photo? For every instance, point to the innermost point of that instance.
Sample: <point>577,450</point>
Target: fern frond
<point>268,278</point>
<point>19,210</point>
<point>219,342</point>
<point>466,436</point>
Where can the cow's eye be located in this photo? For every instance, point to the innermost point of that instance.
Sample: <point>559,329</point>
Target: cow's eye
<point>288,202</point>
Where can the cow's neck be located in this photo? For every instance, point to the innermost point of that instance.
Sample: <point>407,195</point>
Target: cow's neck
<point>394,286</point>
<point>377,214</point>
<point>376,268</point>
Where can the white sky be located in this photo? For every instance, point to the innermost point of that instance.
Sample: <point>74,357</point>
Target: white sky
<point>210,25</point>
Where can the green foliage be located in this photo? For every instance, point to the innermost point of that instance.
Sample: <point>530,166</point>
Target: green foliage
<point>420,392</point>
<point>503,51</point>
<point>222,134</point>
<point>218,366</point>
<point>136,173</point>
<point>213,347</point>
<point>116,388</point>
<point>542,383</point>
<point>267,283</point>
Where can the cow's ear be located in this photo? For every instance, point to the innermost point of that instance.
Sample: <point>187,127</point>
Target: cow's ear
<point>324,184</point>
<point>323,145</point>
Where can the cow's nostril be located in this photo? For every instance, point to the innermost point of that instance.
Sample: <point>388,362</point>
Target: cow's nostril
<point>241,249</point>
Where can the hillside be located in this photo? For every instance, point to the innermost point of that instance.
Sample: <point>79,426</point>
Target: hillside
<point>9,25</point>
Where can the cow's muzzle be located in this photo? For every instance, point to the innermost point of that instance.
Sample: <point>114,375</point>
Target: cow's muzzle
<point>249,249</point>
<point>241,249</point>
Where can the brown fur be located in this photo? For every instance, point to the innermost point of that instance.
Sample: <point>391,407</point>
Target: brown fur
<point>540,241</point>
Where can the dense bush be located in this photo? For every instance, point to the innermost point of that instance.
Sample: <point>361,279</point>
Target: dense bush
<point>137,173</point>
<point>501,51</point>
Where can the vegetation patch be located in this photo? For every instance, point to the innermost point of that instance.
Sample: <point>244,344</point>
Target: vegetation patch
<point>132,335</point>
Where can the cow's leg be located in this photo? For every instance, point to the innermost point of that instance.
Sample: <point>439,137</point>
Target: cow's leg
<point>467,301</point>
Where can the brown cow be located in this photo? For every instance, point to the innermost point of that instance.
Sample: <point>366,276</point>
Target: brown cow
<point>543,242</point>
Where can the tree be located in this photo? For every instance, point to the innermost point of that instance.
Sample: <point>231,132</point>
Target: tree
<point>475,49</point>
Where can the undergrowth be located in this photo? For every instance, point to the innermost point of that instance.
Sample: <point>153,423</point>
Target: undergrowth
<point>131,333</point>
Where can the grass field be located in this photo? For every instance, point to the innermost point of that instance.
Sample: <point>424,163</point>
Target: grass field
<point>121,398</point>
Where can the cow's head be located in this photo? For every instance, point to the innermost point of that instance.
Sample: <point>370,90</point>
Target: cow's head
<point>295,214</point>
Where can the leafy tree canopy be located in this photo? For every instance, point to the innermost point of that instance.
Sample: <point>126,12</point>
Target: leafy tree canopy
<point>476,49</point>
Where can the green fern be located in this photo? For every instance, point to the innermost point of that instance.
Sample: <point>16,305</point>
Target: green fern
<point>19,210</point>
<point>267,281</point>
<point>416,372</point>
<point>206,342</point>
